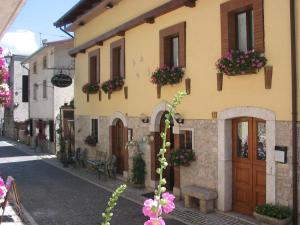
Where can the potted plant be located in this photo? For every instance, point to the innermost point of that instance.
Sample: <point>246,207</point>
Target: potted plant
<point>138,170</point>
<point>167,75</point>
<point>91,140</point>
<point>112,85</point>
<point>90,88</point>
<point>182,157</point>
<point>236,62</point>
<point>273,214</point>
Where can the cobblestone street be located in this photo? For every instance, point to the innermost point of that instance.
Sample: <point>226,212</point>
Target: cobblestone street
<point>51,194</point>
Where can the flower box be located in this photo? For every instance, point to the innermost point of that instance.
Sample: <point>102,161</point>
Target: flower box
<point>273,214</point>
<point>167,75</point>
<point>90,88</point>
<point>237,62</point>
<point>271,221</point>
<point>112,85</point>
<point>182,157</point>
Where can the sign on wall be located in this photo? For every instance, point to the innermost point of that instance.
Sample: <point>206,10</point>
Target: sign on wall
<point>61,80</point>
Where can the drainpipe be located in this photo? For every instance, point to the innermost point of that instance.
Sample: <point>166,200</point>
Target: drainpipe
<point>66,32</point>
<point>294,111</point>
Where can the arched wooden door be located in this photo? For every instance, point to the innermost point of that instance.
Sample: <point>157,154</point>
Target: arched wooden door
<point>118,145</point>
<point>169,172</point>
<point>249,164</point>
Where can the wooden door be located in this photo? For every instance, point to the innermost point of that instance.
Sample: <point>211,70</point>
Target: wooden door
<point>249,166</point>
<point>118,145</point>
<point>169,171</point>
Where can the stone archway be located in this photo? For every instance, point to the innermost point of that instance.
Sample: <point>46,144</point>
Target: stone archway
<point>115,120</point>
<point>154,128</point>
<point>225,152</point>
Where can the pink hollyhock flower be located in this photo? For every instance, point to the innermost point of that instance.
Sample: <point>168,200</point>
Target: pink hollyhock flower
<point>168,202</point>
<point>1,182</point>
<point>155,221</point>
<point>150,208</point>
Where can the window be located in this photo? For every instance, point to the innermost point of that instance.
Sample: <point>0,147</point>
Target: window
<point>94,66</point>
<point>94,131</point>
<point>244,30</point>
<point>173,46</point>
<point>186,139</point>
<point>118,59</point>
<point>45,62</point>
<point>24,88</point>
<point>51,130</point>
<point>44,89</point>
<point>35,89</point>
<point>34,69</point>
<point>242,25</point>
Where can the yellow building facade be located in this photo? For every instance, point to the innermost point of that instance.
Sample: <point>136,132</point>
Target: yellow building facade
<point>233,131</point>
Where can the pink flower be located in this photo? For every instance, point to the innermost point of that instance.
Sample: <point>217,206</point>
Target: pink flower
<point>150,208</point>
<point>1,182</point>
<point>155,221</point>
<point>168,202</point>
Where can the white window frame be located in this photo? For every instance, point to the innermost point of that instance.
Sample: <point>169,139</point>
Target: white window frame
<point>193,135</point>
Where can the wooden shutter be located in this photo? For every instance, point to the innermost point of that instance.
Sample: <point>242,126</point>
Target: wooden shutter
<point>25,88</point>
<point>117,59</point>
<point>94,66</point>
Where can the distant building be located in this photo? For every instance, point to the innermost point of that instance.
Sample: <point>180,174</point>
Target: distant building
<point>44,98</point>
<point>16,115</point>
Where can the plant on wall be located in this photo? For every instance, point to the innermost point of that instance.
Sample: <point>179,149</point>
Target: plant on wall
<point>167,75</point>
<point>139,169</point>
<point>182,157</point>
<point>91,140</point>
<point>237,62</point>
<point>5,93</point>
<point>90,88</point>
<point>112,85</point>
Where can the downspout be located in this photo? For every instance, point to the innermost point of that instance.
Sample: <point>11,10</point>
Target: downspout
<point>66,32</point>
<point>294,111</point>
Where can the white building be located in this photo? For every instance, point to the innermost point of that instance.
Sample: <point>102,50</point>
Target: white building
<point>16,114</point>
<point>44,98</point>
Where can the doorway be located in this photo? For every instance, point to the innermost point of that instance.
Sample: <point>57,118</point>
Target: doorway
<point>248,164</point>
<point>169,171</point>
<point>118,145</point>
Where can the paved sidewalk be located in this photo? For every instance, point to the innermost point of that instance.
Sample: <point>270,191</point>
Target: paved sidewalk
<point>11,218</point>
<point>184,215</point>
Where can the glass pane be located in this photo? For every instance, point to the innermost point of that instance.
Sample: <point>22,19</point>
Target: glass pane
<point>242,31</point>
<point>175,51</point>
<point>189,139</point>
<point>242,140</point>
<point>261,141</point>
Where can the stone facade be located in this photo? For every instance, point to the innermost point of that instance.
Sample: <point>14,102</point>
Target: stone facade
<point>202,172</point>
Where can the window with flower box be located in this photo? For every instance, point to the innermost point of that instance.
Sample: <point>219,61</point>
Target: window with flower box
<point>94,66</point>
<point>173,46</point>
<point>242,25</point>
<point>117,53</point>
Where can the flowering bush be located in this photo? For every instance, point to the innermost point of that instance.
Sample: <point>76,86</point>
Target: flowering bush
<point>182,157</point>
<point>91,140</point>
<point>239,62</point>
<point>5,94</point>
<point>90,88</point>
<point>167,75</point>
<point>112,85</point>
<point>3,189</point>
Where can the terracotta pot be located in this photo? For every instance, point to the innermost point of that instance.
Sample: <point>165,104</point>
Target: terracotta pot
<point>268,76</point>
<point>188,85</point>
<point>219,81</point>
<point>158,91</point>
<point>271,221</point>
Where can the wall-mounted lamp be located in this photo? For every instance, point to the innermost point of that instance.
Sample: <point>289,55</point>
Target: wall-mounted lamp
<point>144,118</point>
<point>179,119</point>
<point>109,5</point>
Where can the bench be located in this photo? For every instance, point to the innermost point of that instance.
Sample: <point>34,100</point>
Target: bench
<point>203,198</point>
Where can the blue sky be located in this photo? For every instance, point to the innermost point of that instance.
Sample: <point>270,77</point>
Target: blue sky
<point>35,22</point>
